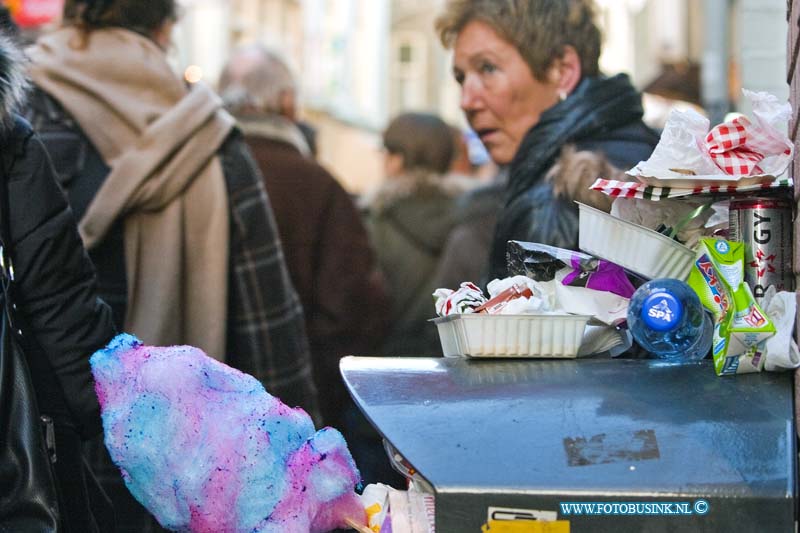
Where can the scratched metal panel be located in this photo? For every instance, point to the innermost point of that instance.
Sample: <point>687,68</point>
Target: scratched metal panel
<point>530,434</point>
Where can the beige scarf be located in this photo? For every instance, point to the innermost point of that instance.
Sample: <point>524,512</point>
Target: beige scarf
<point>160,140</point>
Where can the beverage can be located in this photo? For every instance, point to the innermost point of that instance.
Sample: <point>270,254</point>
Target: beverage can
<point>764,225</point>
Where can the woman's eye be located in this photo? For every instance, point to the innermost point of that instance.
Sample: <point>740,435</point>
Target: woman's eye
<point>487,68</point>
<point>459,77</point>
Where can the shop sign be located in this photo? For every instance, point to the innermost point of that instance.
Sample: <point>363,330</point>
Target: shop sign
<point>33,13</point>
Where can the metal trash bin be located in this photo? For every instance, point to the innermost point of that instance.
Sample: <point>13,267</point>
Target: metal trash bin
<point>531,434</point>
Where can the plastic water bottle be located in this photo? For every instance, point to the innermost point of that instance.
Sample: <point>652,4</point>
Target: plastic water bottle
<point>666,318</point>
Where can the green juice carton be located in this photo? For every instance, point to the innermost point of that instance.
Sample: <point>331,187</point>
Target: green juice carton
<point>740,325</point>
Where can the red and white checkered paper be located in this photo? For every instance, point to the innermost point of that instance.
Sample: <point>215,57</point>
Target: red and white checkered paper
<point>635,189</point>
<point>737,147</point>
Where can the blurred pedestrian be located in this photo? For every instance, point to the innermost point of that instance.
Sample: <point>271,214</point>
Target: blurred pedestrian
<point>310,135</point>
<point>461,164</point>
<point>465,255</point>
<point>171,205</point>
<point>532,90</point>
<point>60,320</point>
<point>326,246</point>
<point>409,217</point>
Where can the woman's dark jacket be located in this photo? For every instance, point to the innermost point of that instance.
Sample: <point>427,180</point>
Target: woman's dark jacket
<point>56,291</point>
<point>603,117</point>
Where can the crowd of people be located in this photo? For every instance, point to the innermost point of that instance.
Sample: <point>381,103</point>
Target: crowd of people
<point>201,217</point>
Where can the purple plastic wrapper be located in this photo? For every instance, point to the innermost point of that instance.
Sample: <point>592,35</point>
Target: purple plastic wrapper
<point>605,276</point>
<point>541,262</point>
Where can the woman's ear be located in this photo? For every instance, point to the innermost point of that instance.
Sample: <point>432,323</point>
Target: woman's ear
<point>567,71</point>
<point>288,105</point>
<point>393,164</point>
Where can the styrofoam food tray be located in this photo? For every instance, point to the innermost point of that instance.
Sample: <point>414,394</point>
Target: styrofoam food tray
<point>484,335</point>
<point>639,249</point>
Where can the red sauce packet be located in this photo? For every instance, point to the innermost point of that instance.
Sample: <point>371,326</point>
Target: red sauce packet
<point>496,304</point>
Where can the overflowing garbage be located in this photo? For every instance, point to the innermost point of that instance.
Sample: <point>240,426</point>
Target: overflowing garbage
<point>693,261</point>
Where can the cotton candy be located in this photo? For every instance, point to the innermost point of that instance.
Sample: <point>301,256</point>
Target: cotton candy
<point>206,449</point>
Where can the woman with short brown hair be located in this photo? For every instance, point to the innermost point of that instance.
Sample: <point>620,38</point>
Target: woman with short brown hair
<point>532,90</point>
<point>409,217</point>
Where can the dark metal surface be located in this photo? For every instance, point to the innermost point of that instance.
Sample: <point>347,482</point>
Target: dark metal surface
<point>531,434</point>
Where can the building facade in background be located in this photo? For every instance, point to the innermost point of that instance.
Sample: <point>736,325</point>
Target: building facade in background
<point>360,62</point>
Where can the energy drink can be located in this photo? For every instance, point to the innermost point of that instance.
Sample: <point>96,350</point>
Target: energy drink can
<point>765,226</point>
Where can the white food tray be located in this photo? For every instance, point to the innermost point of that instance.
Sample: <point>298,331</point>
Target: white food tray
<point>639,249</point>
<point>484,335</point>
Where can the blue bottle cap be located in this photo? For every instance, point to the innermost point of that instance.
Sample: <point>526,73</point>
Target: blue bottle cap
<point>661,311</point>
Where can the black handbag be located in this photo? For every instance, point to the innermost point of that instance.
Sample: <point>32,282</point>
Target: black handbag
<point>28,498</point>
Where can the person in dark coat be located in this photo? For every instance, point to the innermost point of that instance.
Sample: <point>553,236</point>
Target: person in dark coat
<point>532,90</point>
<point>409,216</point>
<point>172,207</point>
<point>56,297</point>
<point>326,245</point>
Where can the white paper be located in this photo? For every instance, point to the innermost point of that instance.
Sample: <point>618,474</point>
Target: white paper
<point>680,147</point>
<point>604,340</point>
<point>410,511</point>
<point>683,147</point>
<point>781,349</point>
<point>607,307</point>
<point>771,116</point>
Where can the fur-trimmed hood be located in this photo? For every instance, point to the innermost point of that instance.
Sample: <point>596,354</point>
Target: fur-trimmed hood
<point>13,81</point>
<point>575,171</point>
<point>417,209</point>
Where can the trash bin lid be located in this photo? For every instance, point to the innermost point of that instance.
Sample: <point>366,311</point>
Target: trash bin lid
<point>529,433</point>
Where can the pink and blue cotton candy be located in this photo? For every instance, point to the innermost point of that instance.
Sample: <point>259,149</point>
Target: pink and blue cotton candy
<point>205,448</point>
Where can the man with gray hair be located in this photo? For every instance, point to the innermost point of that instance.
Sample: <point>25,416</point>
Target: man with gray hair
<point>257,82</point>
<point>326,245</point>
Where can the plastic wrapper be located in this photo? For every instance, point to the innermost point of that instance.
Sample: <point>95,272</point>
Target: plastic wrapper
<point>498,303</point>
<point>541,262</point>
<point>740,324</point>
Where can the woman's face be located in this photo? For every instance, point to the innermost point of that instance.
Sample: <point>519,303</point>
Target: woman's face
<point>499,95</point>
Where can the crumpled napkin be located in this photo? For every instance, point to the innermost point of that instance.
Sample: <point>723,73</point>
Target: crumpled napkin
<point>781,349</point>
<point>679,152</point>
<point>463,300</point>
<point>737,148</point>
<point>605,307</point>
